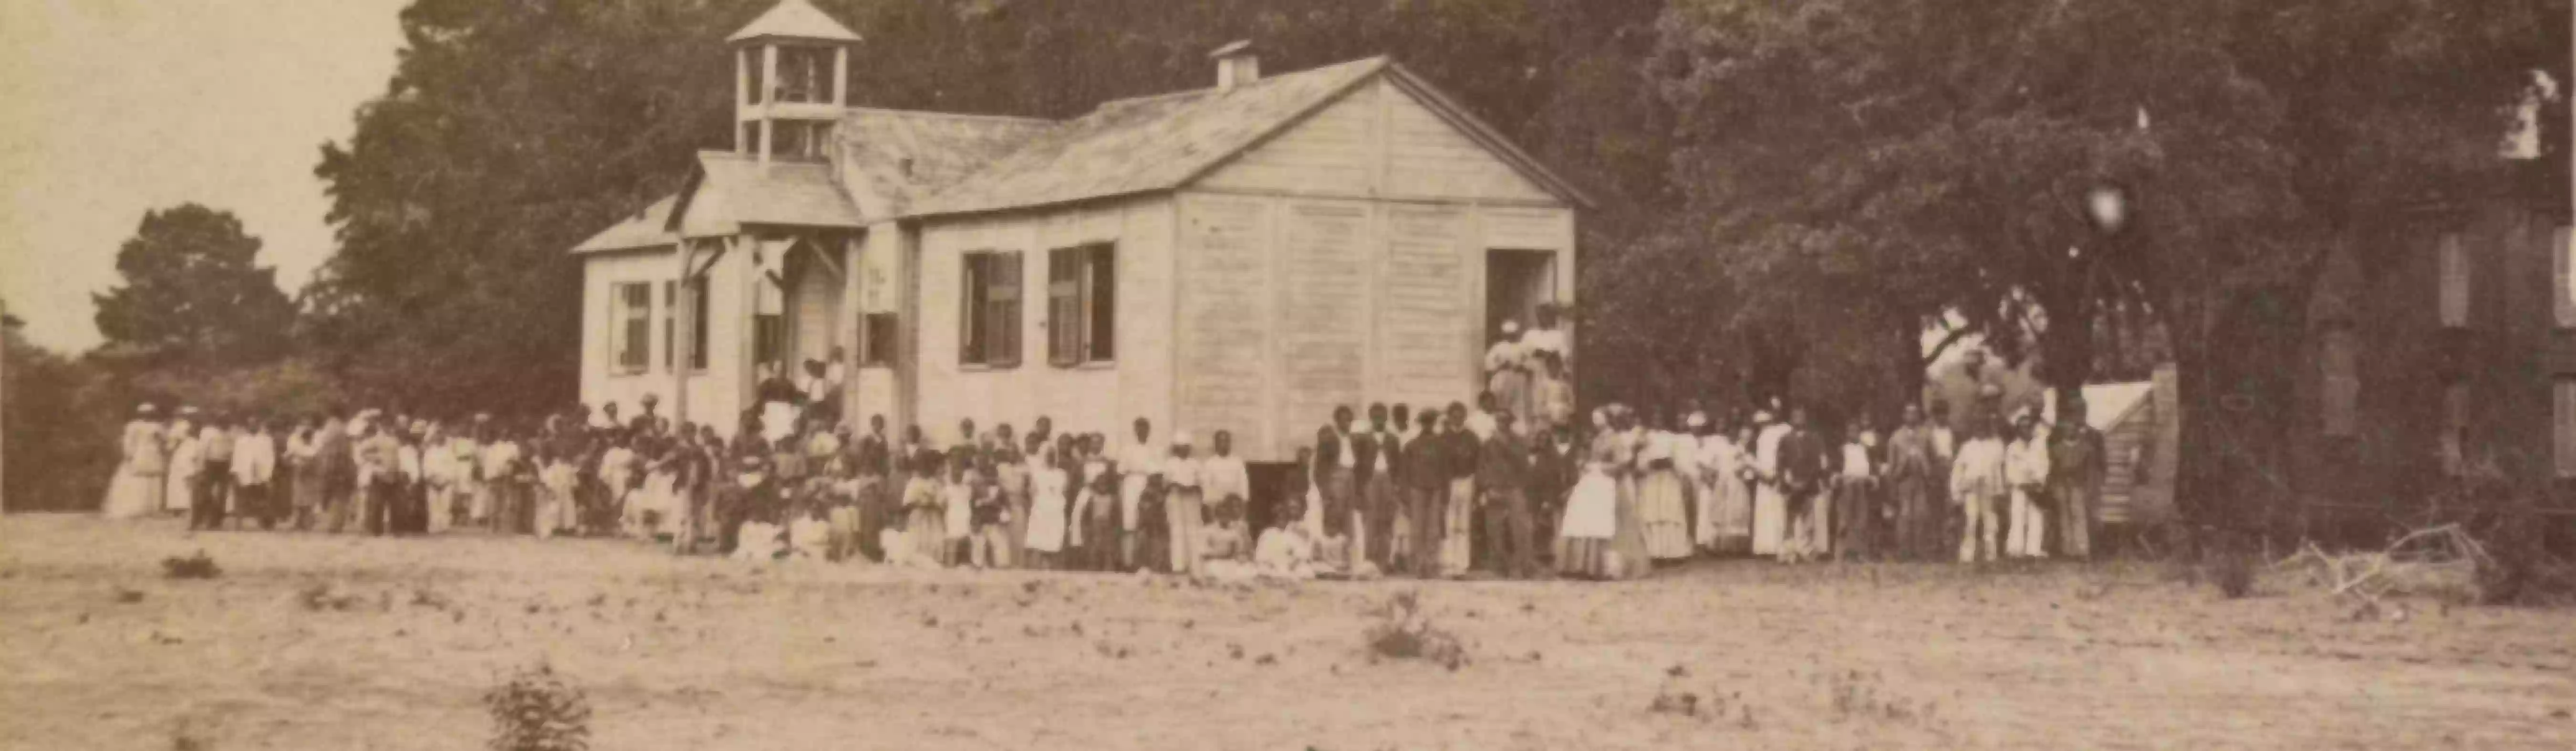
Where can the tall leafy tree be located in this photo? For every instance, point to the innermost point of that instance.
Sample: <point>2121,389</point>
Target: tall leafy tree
<point>1890,160</point>
<point>194,293</point>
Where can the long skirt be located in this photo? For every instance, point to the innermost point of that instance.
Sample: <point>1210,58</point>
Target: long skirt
<point>1770,518</point>
<point>1591,519</point>
<point>1013,550</point>
<point>1629,545</point>
<point>1182,522</point>
<point>1457,544</point>
<point>1511,387</point>
<point>131,495</point>
<point>178,491</point>
<point>928,528</point>
<point>1046,524</point>
<point>1730,508</point>
<point>1662,512</point>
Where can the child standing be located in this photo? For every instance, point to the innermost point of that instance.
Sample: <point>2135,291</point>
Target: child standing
<point>989,544</point>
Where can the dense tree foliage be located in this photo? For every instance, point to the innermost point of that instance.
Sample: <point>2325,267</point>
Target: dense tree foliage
<point>1871,165</point>
<point>194,293</point>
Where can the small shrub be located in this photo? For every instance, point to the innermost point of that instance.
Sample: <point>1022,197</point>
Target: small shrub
<point>1403,633</point>
<point>2233,572</point>
<point>535,710</point>
<point>320,596</point>
<point>199,566</point>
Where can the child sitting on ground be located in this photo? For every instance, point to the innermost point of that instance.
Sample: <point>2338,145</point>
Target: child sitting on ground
<point>810,535</point>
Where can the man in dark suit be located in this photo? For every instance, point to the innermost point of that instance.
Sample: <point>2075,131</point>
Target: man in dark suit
<point>1503,475</point>
<point>1336,476</point>
<point>1805,462</point>
<point>1380,455</point>
<point>1425,474</point>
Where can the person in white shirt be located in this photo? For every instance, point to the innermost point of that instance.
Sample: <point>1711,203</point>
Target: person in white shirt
<point>1183,498</point>
<point>1507,378</point>
<point>1227,485</point>
<point>1856,493</point>
<point>1977,483</point>
<point>1048,497</point>
<point>1546,337</point>
<point>1284,552</point>
<point>2026,470</point>
<point>254,471</point>
<point>1139,467</point>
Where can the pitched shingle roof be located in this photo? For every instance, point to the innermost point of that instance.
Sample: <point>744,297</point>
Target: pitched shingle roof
<point>731,190</point>
<point>643,229</point>
<point>905,156</point>
<point>1147,144</point>
<point>795,19</point>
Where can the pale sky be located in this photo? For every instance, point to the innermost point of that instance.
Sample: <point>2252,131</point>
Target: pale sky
<point>109,108</point>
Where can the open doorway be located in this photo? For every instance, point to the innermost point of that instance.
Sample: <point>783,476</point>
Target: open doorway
<point>1516,283</point>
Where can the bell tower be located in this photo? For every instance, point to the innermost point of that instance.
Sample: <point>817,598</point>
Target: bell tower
<point>791,81</point>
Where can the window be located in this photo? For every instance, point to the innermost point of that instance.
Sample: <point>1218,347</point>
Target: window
<point>2340,386</point>
<point>804,74</point>
<point>670,324</point>
<point>698,316</point>
<point>751,138</point>
<point>632,335</point>
<point>1082,304</point>
<point>768,321</point>
<point>2562,425</point>
<point>752,67</point>
<point>2562,256</point>
<point>2455,281</point>
<point>877,347</point>
<point>989,323</point>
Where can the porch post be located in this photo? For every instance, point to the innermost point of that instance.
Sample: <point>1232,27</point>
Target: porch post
<point>685,342</point>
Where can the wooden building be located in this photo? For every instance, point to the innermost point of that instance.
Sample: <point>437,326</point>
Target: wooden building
<point>1242,257</point>
<point>2444,340</point>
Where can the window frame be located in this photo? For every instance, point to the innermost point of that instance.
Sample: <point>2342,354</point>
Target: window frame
<point>990,310</point>
<point>2562,426</point>
<point>630,333</point>
<point>878,339</point>
<point>1082,305</point>
<point>2562,261</point>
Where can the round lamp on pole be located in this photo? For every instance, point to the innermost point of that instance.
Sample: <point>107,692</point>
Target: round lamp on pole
<point>2107,205</point>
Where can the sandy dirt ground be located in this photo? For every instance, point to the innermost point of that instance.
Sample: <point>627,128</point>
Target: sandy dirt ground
<point>103,652</point>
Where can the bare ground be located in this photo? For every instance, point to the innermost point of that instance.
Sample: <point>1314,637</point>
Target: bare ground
<point>103,652</point>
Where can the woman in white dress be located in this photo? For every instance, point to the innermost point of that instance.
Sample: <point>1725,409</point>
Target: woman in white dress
<point>1662,495</point>
<point>187,458</point>
<point>1770,504</point>
<point>1591,514</point>
<point>1729,470</point>
<point>1047,498</point>
<point>135,490</point>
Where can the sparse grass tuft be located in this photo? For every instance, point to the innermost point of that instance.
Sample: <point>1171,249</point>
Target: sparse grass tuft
<point>535,710</point>
<point>1403,633</point>
<point>199,566</point>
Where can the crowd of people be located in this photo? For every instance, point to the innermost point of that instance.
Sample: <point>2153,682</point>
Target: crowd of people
<point>1517,485</point>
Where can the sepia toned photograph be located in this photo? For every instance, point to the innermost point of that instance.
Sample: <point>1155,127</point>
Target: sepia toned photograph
<point>1313,375</point>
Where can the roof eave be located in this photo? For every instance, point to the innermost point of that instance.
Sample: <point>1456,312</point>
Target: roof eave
<point>1487,136</point>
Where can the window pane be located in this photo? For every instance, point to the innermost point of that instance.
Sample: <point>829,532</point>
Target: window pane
<point>2562,256</point>
<point>1103,300</point>
<point>698,290</point>
<point>2563,425</point>
<point>1064,307</point>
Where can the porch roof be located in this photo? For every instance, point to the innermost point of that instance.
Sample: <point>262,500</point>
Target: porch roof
<point>729,191</point>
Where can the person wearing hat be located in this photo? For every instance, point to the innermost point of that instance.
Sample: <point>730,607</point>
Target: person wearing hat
<point>2026,470</point>
<point>1770,498</point>
<point>1184,503</point>
<point>1978,481</point>
<point>135,490</point>
<point>1507,371</point>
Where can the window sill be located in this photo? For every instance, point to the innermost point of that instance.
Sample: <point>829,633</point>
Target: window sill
<point>982,368</point>
<point>1089,365</point>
